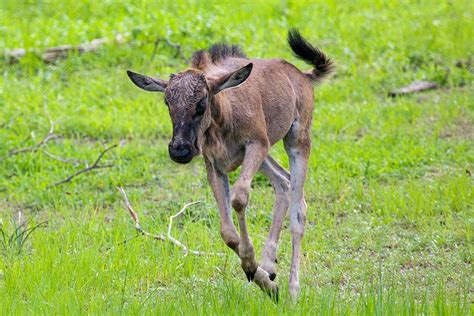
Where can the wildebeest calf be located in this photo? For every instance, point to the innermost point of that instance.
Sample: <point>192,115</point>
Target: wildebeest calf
<point>232,110</point>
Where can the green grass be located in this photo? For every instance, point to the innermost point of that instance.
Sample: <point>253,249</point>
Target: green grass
<point>390,188</point>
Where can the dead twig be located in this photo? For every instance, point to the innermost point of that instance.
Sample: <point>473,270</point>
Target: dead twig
<point>52,54</point>
<point>74,162</point>
<point>41,145</point>
<point>95,165</point>
<point>162,237</point>
<point>415,86</point>
<point>175,241</point>
<point>21,219</point>
<point>34,147</point>
<point>51,135</point>
<point>134,216</point>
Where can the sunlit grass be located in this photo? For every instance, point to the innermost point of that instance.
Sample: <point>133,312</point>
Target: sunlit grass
<point>390,189</point>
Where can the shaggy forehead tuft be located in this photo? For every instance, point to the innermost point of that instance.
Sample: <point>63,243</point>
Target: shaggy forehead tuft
<point>187,85</point>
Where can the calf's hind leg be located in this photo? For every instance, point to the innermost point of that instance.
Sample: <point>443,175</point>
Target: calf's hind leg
<point>280,180</point>
<point>297,145</point>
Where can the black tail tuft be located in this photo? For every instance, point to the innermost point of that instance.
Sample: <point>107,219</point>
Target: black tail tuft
<point>323,65</point>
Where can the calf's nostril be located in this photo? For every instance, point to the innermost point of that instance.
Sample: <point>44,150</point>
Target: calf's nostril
<point>182,151</point>
<point>179,149</point>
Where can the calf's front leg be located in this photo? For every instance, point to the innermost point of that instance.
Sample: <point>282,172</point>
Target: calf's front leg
<point>220,185</point>
<point>255,153</point>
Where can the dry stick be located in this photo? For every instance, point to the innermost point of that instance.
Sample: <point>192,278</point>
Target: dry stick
<point>34,147</point>
<point>47,153</point>
<point>54,53</point>
<point>21,220</point>
<point>51,135</point>
<point>175,241</point>
<point>95,165</point>
<point>74,162</point>
<point>415,86</point>
<point>162,237</point>
<point>134,216</point>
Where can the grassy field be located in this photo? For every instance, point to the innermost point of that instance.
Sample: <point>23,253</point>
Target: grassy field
<point>390,190</point>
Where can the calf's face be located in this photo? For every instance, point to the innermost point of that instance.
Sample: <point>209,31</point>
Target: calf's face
<point>188,95</point>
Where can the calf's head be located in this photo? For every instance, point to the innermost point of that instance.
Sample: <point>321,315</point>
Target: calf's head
<point>188,95</point>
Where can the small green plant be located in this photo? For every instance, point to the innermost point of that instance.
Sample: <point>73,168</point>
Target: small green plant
<point>12,243</point>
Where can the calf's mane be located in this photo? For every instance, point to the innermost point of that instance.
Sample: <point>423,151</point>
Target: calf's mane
<point>215,54</point>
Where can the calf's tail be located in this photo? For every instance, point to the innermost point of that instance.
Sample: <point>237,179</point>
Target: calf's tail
<point>323,65</point>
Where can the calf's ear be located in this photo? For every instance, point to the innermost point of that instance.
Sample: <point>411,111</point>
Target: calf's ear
<point>231,79</point>
<point>146,82</point>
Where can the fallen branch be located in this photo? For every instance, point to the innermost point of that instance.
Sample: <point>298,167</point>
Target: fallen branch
<point>74,162</point>
<point>51,135</point>
<point>134,216</point>
<point>52,54</point>
<point>40,145</point>
<point>415,86</point>
<point>95,165</point>
<point>175,241</point>
<point>162,237</point>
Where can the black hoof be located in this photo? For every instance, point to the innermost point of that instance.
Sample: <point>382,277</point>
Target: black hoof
<point>272,276</point>
<point>250,275</point>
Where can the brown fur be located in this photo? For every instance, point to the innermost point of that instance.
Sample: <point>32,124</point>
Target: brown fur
<point>254,111</point>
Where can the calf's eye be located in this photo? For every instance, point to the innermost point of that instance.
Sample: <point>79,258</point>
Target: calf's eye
<point>201,106</point>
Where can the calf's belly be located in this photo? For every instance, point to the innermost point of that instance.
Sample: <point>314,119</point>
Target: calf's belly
<point>279,118</point>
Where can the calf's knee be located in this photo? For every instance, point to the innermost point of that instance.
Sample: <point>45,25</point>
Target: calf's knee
<point>240,196</point>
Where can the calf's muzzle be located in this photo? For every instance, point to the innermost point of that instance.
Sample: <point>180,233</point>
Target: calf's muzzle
<point>180,151</point>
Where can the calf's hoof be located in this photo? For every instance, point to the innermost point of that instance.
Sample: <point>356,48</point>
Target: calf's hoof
<point>268,286</point>
<point>250,266</point>
<point>270,267</point>
<point>294,290</point>
<point>250,275</point>
<point>272,276</point>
